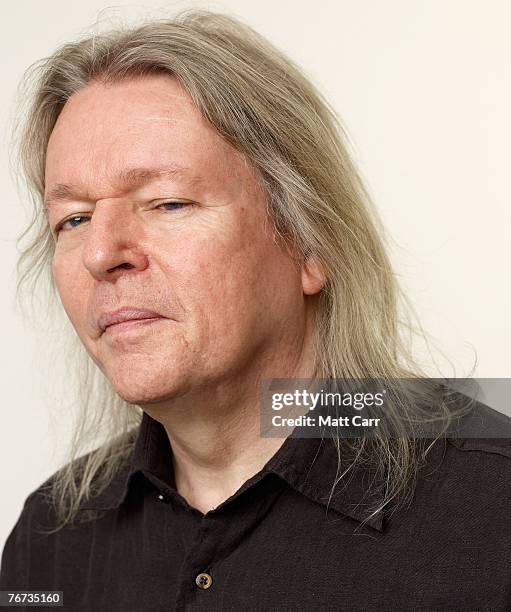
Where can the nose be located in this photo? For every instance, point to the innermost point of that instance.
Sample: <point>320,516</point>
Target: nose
<point>112,244</point>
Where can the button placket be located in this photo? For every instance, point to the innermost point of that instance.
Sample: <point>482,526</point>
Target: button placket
<point>197,572</point>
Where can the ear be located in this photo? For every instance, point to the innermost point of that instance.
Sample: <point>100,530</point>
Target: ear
<point>313,276</point>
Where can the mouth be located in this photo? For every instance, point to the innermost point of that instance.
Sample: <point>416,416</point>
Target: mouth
<point>126,319</point>
<point>132,325</point>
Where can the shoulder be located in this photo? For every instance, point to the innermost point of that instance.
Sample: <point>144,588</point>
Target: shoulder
<point>121,447</point>
<point>32,537</point>
<point>28,533</point>
<point>462,495</point>
<point>501,447</point>
<point>481,466</point>
<point>485,432</point>
<point>464,473</point>
<point>471,476</point>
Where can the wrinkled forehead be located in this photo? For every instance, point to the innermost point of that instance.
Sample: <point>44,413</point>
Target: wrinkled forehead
<point>107,133</point>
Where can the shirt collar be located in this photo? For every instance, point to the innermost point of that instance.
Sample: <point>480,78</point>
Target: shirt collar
<point>309,465</point>
<point>312,466</point>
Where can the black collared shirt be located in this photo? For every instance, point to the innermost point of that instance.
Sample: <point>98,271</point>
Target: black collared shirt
<point>280,542</point>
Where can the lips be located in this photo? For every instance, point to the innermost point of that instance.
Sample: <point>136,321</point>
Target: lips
<point>125,314</point>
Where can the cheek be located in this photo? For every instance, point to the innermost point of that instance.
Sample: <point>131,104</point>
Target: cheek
<point>214,267</point>
<point>235,286</point>
<point>71,283</point>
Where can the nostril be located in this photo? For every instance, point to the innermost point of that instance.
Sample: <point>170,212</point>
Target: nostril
<point>124,266</point>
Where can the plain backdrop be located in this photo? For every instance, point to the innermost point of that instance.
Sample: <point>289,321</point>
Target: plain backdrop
<point>424,90</point>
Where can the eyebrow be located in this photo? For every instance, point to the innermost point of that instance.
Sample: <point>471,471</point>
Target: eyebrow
<point>128,179</point>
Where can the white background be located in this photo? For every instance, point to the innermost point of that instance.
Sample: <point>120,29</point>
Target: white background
<point>424,89</point>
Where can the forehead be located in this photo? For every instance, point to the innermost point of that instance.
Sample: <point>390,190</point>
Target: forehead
<point>147,122</point>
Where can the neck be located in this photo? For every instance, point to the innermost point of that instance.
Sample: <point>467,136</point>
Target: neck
<point>215,434</point>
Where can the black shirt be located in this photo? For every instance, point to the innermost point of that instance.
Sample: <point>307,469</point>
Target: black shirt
<point>280,542</point>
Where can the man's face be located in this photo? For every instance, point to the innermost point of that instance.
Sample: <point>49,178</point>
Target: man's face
<point>192,244</point>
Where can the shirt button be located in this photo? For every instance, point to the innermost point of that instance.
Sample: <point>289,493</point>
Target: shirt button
<point>203,581</point>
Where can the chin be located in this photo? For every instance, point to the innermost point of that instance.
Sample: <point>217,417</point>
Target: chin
<point>146,392</point>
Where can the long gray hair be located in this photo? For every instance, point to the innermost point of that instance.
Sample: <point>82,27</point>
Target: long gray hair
<point>261,103</point>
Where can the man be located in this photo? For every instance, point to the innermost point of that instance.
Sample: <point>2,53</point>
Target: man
<point>206,231</point>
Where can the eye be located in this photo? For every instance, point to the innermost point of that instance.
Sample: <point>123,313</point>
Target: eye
<point>173,205</point>
<point>75,221</point>
<point>71,221</point>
